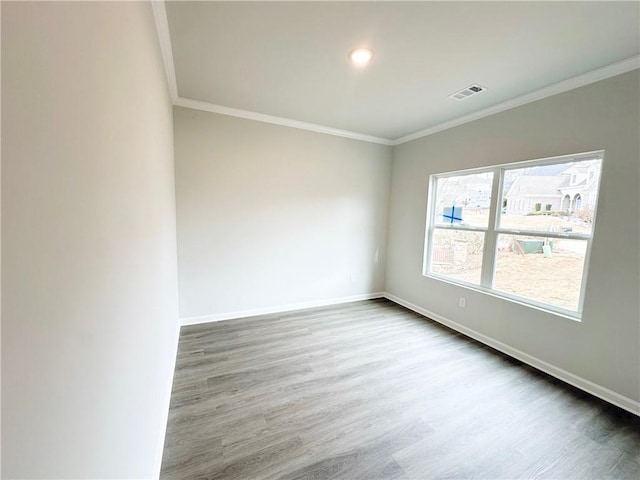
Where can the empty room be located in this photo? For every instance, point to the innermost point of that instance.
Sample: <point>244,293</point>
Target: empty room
<point>320,240</point>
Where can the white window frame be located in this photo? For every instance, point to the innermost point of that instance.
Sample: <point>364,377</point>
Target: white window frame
<point>492,231</point>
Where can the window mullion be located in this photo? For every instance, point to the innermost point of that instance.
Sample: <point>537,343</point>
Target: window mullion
<point>478,242</point>
<point>542,234</point>
<point>430,224</point>
<point>490,239</point>
<point>464,228</point>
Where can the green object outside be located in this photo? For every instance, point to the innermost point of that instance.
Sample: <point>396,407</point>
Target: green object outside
<point>530,246</point>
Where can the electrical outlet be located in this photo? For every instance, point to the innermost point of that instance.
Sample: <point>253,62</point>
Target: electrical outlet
<point>352,278</point>
<point>462,303</point>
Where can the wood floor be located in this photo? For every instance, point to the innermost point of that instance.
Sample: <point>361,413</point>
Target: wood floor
<point>370,390</point>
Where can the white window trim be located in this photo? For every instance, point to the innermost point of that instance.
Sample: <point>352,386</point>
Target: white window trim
<point>492,231</point>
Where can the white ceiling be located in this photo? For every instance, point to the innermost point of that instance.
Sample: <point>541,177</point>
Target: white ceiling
<point>290,59</point>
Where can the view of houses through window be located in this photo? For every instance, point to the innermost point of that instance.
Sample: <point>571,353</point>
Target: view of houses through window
<point>530,242</point>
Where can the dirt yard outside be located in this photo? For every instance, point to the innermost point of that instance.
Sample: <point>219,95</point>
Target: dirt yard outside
<point>554,279</point>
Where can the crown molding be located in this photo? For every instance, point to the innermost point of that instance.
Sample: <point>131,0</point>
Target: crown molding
<point>287,122</point>
<point>603,73</point>
<point>162,26</point>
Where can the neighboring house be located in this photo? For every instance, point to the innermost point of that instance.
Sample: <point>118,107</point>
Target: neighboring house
<point>582,189</point>
<point>570,190</point>
<point>471,192</point>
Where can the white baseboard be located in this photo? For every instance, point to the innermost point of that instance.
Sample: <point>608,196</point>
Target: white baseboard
<point>229,316</point>
<point>165,407</point>
<point>599,391</point>
<point>594,389</point>
<point>278,309</point>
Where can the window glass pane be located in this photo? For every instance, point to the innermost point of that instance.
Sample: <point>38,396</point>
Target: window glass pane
<point>546,270</point>
<point>463,200</point>
<point>457,254</point>
<point>551,198</point>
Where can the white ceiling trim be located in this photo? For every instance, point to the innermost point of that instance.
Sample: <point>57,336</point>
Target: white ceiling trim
<point>162,25</point>
<point>287,122</point>
<point>603,73</point>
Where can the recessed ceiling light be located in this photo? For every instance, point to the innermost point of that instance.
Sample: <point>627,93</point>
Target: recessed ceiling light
<point>361,56</point>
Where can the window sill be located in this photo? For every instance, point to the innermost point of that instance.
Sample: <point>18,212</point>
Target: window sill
<point>557,311</point>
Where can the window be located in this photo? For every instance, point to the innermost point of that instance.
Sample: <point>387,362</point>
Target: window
<point>521,231</point>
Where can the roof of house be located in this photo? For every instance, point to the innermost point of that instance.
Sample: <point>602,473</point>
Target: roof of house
<point>539,184</point>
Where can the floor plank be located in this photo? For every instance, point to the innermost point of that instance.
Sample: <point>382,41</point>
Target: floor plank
<point>371,390</point>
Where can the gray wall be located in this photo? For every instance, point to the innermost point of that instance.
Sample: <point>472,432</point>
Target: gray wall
<point>604,347</point>
<point>271,216</point>
<point>89,312</point>
<point>268,216</point>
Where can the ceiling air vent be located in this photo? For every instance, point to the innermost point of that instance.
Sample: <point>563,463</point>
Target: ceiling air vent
<point>467,92</point>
